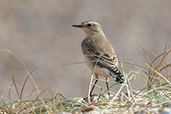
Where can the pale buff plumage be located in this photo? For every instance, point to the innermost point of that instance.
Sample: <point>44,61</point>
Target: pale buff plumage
<point>96,46</point>
<point>99,53</point>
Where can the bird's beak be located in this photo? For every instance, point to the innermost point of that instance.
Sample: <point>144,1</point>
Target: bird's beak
<point>77,26</point>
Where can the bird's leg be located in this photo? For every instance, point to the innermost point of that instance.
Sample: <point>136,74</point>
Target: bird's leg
<point>90,90</point>
<point>94,85</point>
<point>107,85</point>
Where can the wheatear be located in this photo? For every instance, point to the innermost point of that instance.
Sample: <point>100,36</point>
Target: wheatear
<point>99,53</point>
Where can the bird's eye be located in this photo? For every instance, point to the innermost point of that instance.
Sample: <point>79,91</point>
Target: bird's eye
<point>89,24</point>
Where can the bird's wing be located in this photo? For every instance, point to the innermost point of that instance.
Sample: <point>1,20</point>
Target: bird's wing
<point>103,57</point>
<point>99,52</point>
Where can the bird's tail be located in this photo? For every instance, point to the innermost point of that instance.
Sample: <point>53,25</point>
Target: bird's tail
<point>119,75</point>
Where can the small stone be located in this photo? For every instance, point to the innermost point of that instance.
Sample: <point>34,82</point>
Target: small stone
<point>167,104</point>
<point>166,111</point>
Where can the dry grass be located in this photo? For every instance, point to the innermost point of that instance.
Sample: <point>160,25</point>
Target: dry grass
<point>153,98</point>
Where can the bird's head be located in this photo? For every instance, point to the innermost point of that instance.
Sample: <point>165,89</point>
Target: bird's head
<point>89,27</point>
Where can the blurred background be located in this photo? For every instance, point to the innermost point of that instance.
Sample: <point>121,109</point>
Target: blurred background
<point>39,32</point>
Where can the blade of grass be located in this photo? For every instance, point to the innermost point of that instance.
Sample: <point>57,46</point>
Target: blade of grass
<point>28,73</point>
<point>159,74</point>
<point>13,80</point>
<point>23,86</point>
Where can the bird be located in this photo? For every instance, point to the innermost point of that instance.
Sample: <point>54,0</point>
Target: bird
<point>99,53</point>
